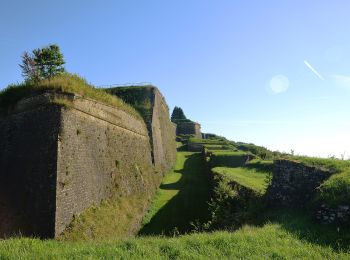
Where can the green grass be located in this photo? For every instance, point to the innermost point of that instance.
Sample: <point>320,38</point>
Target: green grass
<point>271,241</point>
<point>227,158</point>
<point>334,165</point>
<point>249,178</point>
<point>61,83</point>
<point>181,199</point>
<point>302,225</point>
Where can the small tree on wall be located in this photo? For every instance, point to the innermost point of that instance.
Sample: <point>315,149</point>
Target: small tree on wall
<point>29,70</point>
<point>177,114</point>
<point>42,63</point>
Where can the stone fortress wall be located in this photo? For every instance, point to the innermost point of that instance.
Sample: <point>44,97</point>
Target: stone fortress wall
<point>152,106</point>
<point>28,156</point>
<point>163,134</point>
<point>59,160</point>
<point>189,128</point>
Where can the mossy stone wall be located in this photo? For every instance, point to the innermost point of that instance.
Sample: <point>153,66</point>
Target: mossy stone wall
<point>294,184</point>
<point>58,160</point>
<point>150,103</point>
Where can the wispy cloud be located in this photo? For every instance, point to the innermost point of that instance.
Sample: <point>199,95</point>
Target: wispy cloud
<point>342,81</point>
<point>313,70</point>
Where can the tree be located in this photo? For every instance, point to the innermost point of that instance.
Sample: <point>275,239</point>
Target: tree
<point>177,114</point>
<point>29,70</point>
<point>49,61</point>
<point>42,63</point>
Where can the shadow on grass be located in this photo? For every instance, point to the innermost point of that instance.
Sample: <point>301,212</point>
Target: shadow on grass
<point>188,205</point>
<point>301,224</point>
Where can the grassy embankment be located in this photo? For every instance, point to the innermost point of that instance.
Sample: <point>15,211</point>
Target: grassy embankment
<point>251,179</point>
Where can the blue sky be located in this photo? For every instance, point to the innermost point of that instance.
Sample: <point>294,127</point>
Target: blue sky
<point>275,73</point>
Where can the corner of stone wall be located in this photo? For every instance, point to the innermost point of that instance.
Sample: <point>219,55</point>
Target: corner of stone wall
<point>294,183</point>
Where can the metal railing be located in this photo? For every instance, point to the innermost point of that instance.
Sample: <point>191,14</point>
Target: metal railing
<point>125,85</point>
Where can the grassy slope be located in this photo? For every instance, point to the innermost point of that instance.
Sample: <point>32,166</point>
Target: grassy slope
<point>181,198</point>
<point>62,83</point>
<point>272,241</point>
<point>235,166</point>
<point>249,178</point>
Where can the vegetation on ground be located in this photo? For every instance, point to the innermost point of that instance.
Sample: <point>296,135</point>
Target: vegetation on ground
<point>249,178</point>
<point>181,199</point>
<point>270,241</point>
<point>65,82</point>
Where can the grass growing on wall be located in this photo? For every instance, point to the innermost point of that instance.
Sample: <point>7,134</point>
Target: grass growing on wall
<point>140,98</point>
<point>332,164</point>
<point>62,83</point>
<point>113,218</point>
<point>336,189</point>
<point>181,199</point>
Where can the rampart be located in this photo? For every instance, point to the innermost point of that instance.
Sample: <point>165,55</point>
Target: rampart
<point>61,153</point>
<point>150,103</point>
<point>188,128</point>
